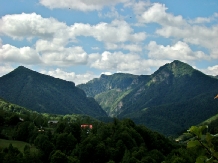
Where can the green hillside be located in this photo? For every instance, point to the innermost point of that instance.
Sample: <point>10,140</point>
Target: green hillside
<point>117,141</point>
<point>44,93</point>
<point>108,90</point>
<point>175,99</point>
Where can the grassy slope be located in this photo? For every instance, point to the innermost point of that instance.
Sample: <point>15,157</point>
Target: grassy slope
<point>18,144</point>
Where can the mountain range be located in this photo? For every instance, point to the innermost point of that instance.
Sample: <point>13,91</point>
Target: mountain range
<point>169,101</point>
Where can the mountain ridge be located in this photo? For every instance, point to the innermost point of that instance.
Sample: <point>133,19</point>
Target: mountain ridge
<point>169,101</point>
<point>174,89</point>
<point>44,93</point>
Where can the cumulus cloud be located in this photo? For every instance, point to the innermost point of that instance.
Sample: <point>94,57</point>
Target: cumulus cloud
<point>116,31</point>
<point>24,55</point>
<point>157,14</point>
<point>65,57</point>
<point>5,68</point>
<point>198,35</point>
<point>179,51</point>
<point>139,7</point>
<point>130,47</point>
<point>19,26</point>
<point>202,20</point>
<point>120,62</point>
<point>214,53</point>
<point>211,70</point>
<point>53,38</point>
<point>189,31</point>
<point>113,13</point>
<point>70,76</point>
<point>82,5</point>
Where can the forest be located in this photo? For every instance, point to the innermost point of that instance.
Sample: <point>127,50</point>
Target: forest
<point>65,140</point>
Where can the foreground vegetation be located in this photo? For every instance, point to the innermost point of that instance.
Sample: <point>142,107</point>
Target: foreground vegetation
<point>26,136</point>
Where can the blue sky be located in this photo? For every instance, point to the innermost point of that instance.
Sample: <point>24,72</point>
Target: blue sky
<point>78,40</point>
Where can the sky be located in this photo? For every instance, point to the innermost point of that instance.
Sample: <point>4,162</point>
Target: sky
<point>78,40</point>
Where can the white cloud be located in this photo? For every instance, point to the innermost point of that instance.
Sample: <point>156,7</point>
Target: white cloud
<point>19,26</point>
<point>120,62</point>
<point>0,43</point>
<point>179,51</point>
<point>140,6</point>
<point>52,46</point>
<point>189,31</point>
<point>70,76</point>
<point>4,69</point>
<point>53,53</point>
<point>107,73</point>
<point>203,20</point>
<point>214,53</point>
<point>198,35</point>
<point>113,13</point>
<point>115,32</point>
<point>157,14</point>
<point>200,20</point>
<point>24,55</point>
<point>82,5</point>
<point>130,47</point>
<point>211,70</point>
<point>65,57</point>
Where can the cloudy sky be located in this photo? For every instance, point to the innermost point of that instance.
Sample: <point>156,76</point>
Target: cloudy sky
<point>78,40</point>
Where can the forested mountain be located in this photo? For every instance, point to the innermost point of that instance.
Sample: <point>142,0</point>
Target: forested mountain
<point>170,100</point>
<point>108,89</point>
<point>44,93</point>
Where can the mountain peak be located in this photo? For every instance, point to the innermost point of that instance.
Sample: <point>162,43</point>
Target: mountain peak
<point>22,69</point>
<point>44,93</point>
<point>167,71</point>
<point>177,68</point>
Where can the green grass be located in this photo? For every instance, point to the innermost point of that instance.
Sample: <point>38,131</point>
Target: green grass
<point>18,144</point>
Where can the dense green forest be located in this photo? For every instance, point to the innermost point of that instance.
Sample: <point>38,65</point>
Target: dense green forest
<point>66,141</point>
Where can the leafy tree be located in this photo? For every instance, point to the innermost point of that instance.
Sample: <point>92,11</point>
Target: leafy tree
<point>60,127</point>
<point>13,120</point>
<point>204,141</point>
<point>2,119</point>
<point>58,157</point>
<point>24,131</point>
<point>65,142</point>
<point>12,155</point>
<point>46,147</point>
